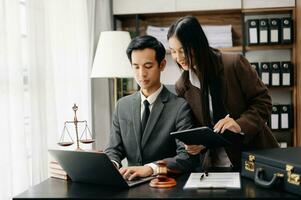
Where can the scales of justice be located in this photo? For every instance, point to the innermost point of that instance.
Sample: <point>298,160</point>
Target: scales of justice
<point>85,138</point>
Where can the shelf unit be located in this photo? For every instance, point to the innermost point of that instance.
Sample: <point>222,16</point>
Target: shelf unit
<point>287,136</point>
<point>136,24</point>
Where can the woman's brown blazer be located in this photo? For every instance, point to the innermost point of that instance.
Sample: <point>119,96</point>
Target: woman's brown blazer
<point>245,98</point>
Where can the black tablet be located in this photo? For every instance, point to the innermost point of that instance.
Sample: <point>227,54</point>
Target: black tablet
<point>201,135</point>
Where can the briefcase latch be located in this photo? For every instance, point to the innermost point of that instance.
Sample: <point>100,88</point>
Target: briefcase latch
<point>292,178</point>
<point>249,164</point>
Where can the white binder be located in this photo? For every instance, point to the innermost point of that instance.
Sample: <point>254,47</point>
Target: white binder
<point>265,73</point>
<point>286,73</point>
<point>274,31</point>
<point>275,78</point>
<point>275,118</point>
<point>284,117</point>
<point>263,31</point>
<point>253,31</point>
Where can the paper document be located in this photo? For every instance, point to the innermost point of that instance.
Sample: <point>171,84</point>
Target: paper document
<point>213,180</point>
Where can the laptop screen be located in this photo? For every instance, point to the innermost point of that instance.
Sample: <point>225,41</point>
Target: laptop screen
<point>91,167</point>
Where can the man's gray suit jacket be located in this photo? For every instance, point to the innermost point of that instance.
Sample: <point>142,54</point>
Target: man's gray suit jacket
<point>169,113</point>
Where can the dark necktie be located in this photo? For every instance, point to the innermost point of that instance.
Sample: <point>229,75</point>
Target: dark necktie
<point>145,115</point>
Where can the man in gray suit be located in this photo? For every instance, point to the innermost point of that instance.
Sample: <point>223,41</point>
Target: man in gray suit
<point>142,121</point>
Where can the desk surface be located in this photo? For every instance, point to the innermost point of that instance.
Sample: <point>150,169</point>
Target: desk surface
<point>56,188</point>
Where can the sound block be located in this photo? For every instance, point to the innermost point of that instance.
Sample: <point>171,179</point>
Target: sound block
<point>169,182</point>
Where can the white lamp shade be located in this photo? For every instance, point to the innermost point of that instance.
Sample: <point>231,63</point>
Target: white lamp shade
<point>110,59</point>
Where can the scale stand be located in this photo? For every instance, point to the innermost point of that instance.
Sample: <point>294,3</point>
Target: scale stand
<point>84,136</point>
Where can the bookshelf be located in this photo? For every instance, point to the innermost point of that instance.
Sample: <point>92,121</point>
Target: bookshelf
<point>136,21</point>
<point>275,53</point>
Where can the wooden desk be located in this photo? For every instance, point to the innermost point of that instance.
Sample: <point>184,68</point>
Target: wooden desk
<point>56,188</point>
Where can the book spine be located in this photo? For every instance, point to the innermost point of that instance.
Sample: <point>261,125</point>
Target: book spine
<point>59,176</point>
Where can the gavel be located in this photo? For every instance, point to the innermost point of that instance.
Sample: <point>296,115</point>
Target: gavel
<point>162,170</point>
<point>162,180</point>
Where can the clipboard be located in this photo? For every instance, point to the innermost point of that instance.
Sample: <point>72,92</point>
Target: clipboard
<point>201,135</point>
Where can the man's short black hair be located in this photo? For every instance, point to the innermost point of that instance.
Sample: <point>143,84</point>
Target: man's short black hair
<point>146,41</point>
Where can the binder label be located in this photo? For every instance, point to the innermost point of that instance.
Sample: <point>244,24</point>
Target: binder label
<point>275,79</point>
<point>274,35</point>
<point>253,35</point>
<point>286,79</point>
<point>265,78</point>
<point>274,121</point>
<point>263,36</point>
<point>286,34</point>
<point>284,120</point>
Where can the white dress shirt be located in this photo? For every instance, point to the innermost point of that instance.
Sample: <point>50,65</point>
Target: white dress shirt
<point>151,99</point>
<point>221,158</point>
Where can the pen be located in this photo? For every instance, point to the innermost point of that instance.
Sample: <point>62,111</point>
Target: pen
<point>202,176</point>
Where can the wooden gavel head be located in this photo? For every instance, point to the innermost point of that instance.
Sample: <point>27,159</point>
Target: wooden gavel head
<point>162,180</point>
<point>162,170</point>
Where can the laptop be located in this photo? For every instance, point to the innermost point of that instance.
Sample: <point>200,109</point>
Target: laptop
<point>93,167</point>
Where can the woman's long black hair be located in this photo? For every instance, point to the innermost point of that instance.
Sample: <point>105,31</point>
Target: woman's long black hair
<point>195,45</point>
<point>205,64</point>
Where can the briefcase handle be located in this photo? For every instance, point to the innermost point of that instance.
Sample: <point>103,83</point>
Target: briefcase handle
<point>266,184</point>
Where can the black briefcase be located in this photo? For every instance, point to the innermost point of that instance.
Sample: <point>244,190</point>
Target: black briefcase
<point>279,167</point>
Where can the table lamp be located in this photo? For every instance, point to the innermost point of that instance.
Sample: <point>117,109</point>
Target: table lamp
<point>110,60</point>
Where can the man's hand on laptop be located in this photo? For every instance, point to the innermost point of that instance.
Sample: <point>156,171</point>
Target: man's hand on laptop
<point>129,173</point>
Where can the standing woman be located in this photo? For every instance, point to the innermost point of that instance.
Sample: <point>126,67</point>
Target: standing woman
<point>224,92</point>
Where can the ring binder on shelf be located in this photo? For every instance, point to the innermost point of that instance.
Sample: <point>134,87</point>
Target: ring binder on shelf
<point>284,117</point>
<point>263,31</point>
<point>275,73</point>
<point>252,25</point>
<point>275,117</point>
<point>274,31</point>
<point>255,65</point>
<point>286,73</point>
<point>265,73</point>
<point>286,31</point>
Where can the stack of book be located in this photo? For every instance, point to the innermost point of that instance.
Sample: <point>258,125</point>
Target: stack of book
<point>160,33</point>
<point>56,171</point>
<point>218,36</point>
